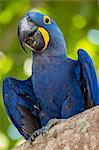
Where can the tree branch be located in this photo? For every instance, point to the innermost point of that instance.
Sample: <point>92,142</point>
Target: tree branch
<point>81,132</point>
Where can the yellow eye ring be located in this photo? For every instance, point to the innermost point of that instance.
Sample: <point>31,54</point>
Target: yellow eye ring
<point>47,20</point>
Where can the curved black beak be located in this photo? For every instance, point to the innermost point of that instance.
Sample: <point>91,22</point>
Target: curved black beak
<point>25,28</point>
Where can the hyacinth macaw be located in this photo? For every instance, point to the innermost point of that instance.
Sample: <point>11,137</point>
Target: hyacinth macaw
<point>58,87</point>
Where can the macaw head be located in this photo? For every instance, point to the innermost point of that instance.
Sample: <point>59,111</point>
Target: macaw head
<point>40,33</point>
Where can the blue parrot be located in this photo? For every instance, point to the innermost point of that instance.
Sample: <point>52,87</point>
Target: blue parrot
<point>58,87</point>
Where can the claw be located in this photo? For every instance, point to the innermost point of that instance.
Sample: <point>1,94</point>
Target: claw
<point>44,130</point>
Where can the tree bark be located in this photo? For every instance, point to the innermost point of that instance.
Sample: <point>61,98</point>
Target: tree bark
<point>80,132</point>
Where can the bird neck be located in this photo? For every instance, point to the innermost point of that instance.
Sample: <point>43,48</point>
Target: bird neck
<point>51,52</point>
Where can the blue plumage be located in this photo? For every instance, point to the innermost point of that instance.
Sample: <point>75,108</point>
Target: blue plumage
<point>20,102</point>
<point>58,88</point>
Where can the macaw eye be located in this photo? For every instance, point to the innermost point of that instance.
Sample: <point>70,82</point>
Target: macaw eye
<point>47,20</point>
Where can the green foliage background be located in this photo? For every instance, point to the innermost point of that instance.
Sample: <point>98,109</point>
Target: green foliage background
<point>75,18</point>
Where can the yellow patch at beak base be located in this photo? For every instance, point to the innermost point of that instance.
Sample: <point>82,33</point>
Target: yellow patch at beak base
<point>45,35</point>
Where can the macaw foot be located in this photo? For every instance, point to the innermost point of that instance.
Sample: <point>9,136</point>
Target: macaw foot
<point>53,122</point>
<point>44,130</point>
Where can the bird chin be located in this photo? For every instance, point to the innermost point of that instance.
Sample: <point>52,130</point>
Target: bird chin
<point>35,41</point>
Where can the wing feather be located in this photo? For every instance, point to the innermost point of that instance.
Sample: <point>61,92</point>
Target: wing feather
<point>88,78</point>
